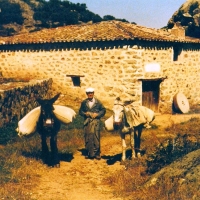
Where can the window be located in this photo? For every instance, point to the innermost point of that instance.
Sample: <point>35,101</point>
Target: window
<point>76,80</point>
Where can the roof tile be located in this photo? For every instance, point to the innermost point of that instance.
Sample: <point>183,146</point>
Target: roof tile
<point>103,31</point>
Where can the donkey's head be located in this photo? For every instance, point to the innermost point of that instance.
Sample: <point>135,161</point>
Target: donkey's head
<point>118,114</point>
<point>47,108</point>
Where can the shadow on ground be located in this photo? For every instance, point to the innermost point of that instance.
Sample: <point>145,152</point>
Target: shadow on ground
<point>66,157</point>
<point>110,160</point>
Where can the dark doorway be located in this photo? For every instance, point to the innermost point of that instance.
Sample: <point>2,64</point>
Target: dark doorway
<point>150,93</point>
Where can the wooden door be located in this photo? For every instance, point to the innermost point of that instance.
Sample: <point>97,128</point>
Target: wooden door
<point>150,94</point>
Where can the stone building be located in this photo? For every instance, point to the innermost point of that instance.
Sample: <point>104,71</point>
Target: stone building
<point>146,65</point>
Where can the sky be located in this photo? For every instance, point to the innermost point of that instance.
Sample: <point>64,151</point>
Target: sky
<point>148,13</point>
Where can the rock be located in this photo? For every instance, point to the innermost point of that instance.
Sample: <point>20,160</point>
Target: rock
<point>188,16</point>
<point>181,173</point>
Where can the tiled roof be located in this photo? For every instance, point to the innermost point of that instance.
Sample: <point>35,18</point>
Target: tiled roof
<point>103,31</point>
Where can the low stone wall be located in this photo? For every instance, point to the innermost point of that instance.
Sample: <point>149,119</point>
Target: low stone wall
<point>19,97</point>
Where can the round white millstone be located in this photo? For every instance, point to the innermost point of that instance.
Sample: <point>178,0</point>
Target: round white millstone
<point>181,103</point>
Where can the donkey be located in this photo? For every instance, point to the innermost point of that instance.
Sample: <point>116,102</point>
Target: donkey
<point>131,120</point>
<point>48,126</point>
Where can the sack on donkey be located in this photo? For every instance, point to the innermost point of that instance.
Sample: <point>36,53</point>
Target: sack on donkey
<point>28,124</point>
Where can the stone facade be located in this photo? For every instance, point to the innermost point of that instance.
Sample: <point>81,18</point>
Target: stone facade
<point>113,68</point>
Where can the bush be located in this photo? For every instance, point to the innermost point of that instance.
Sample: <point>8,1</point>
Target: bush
<point>8,133</point>
<point>162,147</point>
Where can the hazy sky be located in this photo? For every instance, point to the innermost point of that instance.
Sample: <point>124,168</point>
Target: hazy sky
<point>149,13</point>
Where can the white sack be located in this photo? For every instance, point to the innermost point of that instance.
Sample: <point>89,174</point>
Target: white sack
<point>109,124</point>
<point>27,125</point>
<point>64,113</point>
<point>137,115</point>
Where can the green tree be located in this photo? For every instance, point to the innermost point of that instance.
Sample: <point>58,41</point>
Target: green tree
<point>10,13</point>
<point>80,7</point>
<point>86,16</point>
<point>96,18</point>
<point>108,17</point>
<point>56,13</point>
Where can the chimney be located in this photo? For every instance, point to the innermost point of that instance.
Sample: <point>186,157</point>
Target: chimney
<point>178,31</point>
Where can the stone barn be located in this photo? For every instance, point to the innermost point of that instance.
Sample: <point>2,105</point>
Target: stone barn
<point>146,65</point>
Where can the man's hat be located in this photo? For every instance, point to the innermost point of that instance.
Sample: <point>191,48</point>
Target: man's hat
<point>90,89</point>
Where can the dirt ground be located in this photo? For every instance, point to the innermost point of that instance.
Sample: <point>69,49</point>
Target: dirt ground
<point>81,179</point>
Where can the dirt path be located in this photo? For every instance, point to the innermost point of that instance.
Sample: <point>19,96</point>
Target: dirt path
<point>81,179</point>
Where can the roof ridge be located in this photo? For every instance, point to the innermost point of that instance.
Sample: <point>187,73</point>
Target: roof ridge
<point>121,28</point>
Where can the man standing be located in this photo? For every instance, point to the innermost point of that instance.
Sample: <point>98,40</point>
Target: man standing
<point>92,110</point>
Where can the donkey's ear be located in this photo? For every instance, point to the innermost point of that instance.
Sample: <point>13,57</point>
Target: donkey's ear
<point>127,102</point>
<point>55,98</point>
<point>39,100</point>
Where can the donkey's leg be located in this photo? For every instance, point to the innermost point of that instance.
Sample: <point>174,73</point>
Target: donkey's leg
<point>136,146</point>
<point>54,151</point>
<point>138,134</point>
<point>123,147</point>
<point>45,149</point>
<point>132,141</point>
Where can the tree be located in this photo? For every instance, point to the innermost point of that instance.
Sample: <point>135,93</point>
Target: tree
<point>55,13</point>
<point>10,13</point>
<point>108,17</point>
<point>47,14</point>
<point>86,16</point>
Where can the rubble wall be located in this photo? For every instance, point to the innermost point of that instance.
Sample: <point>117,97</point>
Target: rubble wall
<point>19,98</point>
<point>113,71</point>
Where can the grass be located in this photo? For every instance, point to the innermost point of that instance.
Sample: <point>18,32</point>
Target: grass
<point>20,163</point>
<point>18,171</point>
<point>21,166</point>
<point>160,151</point>
<point>8,133</point>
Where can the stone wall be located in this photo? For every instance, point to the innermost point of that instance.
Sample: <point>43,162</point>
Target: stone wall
<point>18,98</point>
<point>112,69</point>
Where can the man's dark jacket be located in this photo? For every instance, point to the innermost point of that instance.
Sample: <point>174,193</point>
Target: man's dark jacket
<point>96,108</point>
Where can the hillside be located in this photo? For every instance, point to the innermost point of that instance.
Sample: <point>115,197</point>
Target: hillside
<point>20,16</point>
<point>187,16</point>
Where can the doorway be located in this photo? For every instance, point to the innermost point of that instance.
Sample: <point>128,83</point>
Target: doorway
<point>151,93</point>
